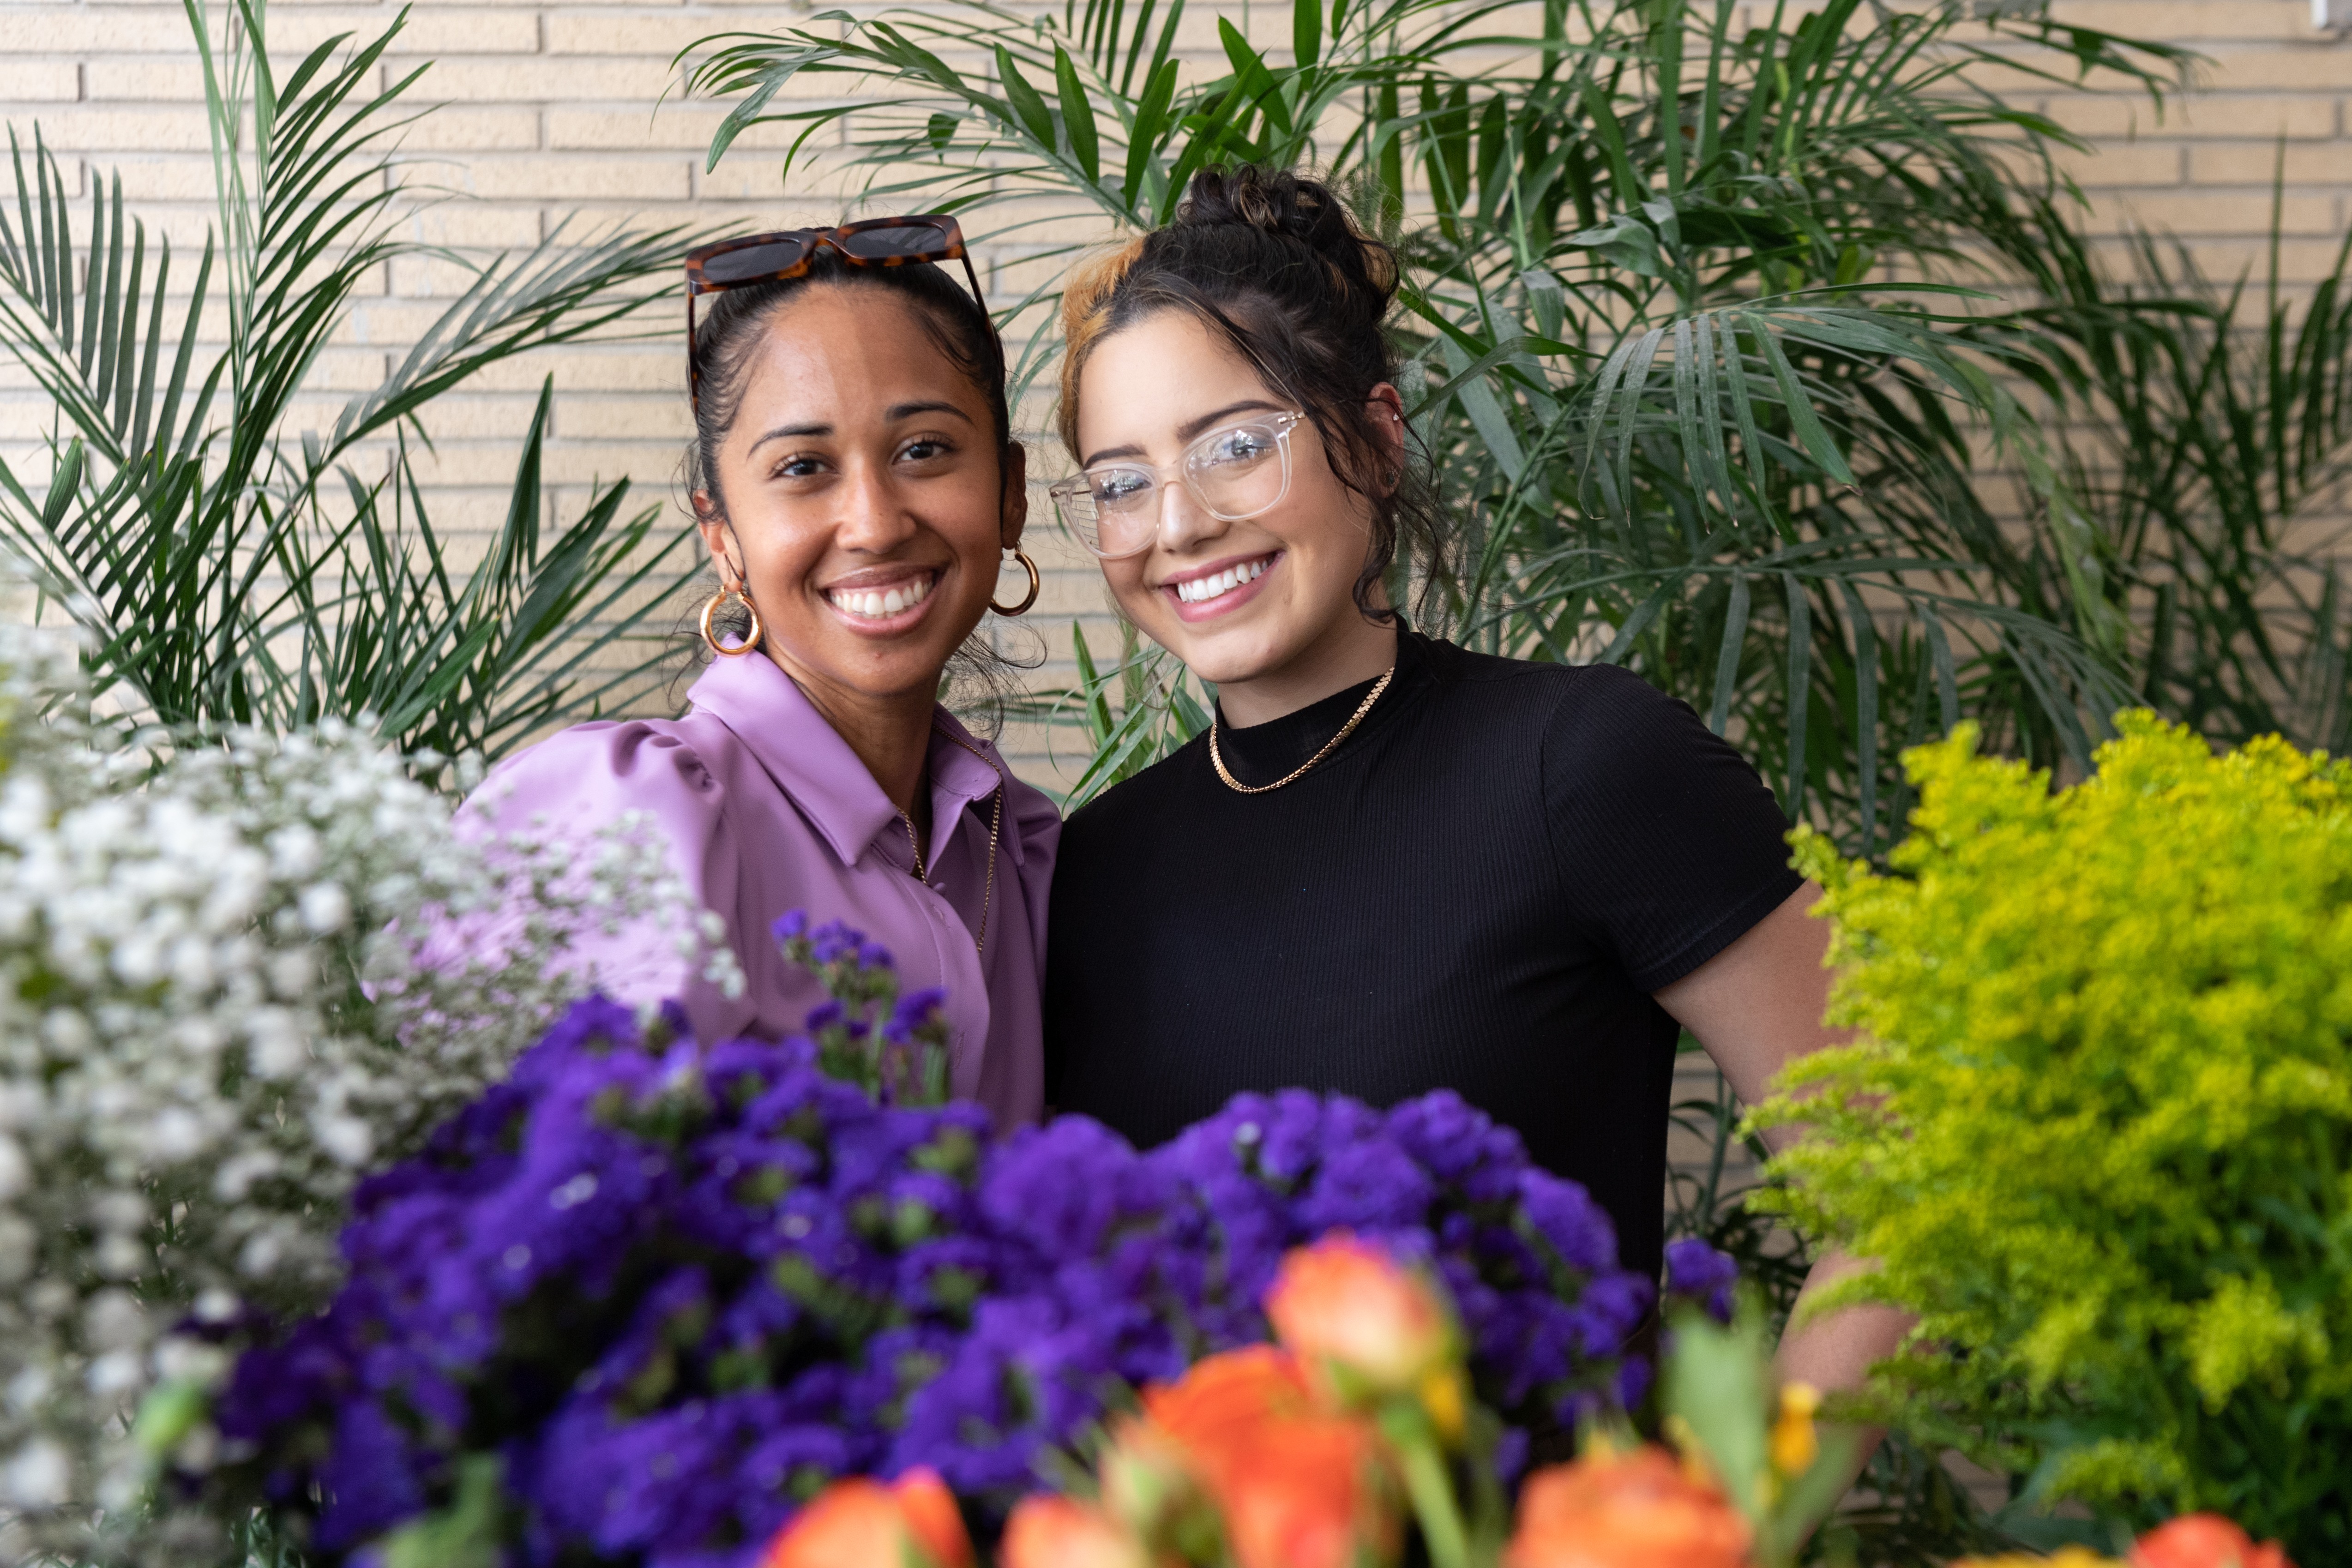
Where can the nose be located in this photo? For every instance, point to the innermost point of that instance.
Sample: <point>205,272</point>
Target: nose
<point>1183,521</point>
<point>872,515</point>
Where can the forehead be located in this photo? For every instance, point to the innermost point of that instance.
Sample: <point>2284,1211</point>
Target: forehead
<point>833,351</point>
<point>1151,376</point>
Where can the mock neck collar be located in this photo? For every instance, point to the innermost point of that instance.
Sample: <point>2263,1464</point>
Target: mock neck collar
<point>809,761</point>
<point>1261,753</point>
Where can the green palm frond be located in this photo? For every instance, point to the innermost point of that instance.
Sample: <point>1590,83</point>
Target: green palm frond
<point>225,567</point>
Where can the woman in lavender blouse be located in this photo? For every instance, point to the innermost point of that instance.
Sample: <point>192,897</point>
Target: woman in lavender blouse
<point>855,479</point>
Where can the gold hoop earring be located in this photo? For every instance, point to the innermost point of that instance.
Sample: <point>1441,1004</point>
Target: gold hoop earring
<point>751,637</point>
<point>1036,582</point>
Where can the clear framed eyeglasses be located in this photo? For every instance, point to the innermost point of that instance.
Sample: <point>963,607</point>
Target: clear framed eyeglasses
<point>1233,472</point>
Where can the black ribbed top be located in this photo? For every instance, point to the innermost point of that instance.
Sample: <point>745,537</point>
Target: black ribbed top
<point>1479,889</point>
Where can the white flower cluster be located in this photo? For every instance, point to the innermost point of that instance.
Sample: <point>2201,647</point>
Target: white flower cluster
<point>227,987</point>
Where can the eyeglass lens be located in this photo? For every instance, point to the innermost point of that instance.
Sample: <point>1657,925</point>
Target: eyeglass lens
<point>898,239</point>
<point>1234,472</point>
<point>754,261</point>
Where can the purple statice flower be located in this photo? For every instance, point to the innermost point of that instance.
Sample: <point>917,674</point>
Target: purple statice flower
<point>1699,1275</point>
<point>672,1290</point>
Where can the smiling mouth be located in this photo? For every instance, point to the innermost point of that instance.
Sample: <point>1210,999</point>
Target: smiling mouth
<point>882,604</point>
<point>1203,589</point>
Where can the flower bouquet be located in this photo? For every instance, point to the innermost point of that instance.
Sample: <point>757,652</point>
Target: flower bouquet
<point>1349,1443</point>
<point>645,1297</point>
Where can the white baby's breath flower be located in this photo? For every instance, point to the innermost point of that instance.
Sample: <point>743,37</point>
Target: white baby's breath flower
<point>234,972</point>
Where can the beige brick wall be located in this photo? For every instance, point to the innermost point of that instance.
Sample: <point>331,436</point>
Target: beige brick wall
<point>572,106</point>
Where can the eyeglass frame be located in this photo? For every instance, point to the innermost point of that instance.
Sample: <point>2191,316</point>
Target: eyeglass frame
<point>700,282</point>
<point>1284,423</point>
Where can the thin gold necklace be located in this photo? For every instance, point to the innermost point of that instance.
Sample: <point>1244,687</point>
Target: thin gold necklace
<point>995,829</point>
<point>1347,729</point>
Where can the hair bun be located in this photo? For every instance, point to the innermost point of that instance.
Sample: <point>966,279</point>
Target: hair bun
<point>1303,211</point>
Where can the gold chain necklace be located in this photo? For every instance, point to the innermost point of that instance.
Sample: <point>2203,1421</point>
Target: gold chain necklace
<point>995,830</point>
<point>1346,730</point>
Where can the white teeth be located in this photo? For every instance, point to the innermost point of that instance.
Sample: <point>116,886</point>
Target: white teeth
<point>1200,589</point>
<point>878,606</point>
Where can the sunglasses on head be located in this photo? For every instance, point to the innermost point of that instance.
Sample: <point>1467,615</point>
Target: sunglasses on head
<point>788,252</point>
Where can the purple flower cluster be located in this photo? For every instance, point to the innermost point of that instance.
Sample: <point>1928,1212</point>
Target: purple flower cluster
<point>670,1290</point>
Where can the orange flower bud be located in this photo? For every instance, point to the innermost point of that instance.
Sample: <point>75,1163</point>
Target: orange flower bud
<point>1056,1532</point>
<point>1347,1303</point>
<point>1306,1495</point>
<point>860,1522</point>
<point>1633,1509</point>
<point>2205,1540</point>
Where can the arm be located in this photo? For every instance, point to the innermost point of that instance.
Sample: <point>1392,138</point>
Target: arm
<point>1757,1006</point>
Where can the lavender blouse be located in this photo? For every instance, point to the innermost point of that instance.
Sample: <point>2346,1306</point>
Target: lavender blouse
<point>768,809</point>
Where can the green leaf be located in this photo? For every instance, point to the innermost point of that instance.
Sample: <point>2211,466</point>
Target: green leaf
<point>1035,118</point>
<point>1727,650</point>
<point>1078,117</point>
<point>1306,31</point>
<point>1151,125</point>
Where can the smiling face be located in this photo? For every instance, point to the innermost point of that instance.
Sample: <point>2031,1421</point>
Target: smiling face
<point>862,500</point>
<point>1264,606</point>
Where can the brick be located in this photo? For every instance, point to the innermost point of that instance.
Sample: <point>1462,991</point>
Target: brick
<point>2213,213</point>
<point>453,128</point>
<point>145,81</point>
<point>2125,163</point>
<point>660,34</point>
<point>684,128</point>
<point>560,179</point>
<point>608,416</point>
<point>2257,164</point>
<point>39,82</point>
<point>56,29</point>
<point>2179,21</point>
<point>2322,67</point>
<point>430,31</point>
<point>540,81</point>
<point>471,225</point>
<point>80,128</point>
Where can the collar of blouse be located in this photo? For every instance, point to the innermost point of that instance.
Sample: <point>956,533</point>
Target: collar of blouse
<point>811,763</point>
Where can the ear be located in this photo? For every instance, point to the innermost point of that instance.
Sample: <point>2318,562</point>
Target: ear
<point>718,538</point>
<point>1013,507</point>
<point>1386,406</point>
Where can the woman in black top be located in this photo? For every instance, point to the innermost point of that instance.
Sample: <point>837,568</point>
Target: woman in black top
<point>1392,865</point>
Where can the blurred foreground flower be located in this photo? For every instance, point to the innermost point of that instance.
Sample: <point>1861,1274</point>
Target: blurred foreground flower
<point>2205,1540</point>
<point>863,1523</point>
<point>1060,1532</point>
<point>1370,1327</point>
<point>1638,1507</point>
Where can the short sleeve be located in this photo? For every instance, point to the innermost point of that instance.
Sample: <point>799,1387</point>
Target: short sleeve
<point>577,786</point>
<point>1668,845</point>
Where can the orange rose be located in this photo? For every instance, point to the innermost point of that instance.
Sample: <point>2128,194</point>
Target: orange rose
<point>1295,1486</point>
<point>1219,1405</point>
<point>1055,1533</point>
<point>1636,1510</point>
<point>1306,1494</point>
<point>2205,1540</point>
<point>859,1523</point>
<point>1347,1303</point>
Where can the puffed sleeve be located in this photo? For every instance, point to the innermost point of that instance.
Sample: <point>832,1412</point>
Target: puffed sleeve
<point>577,788</point>
<point>1667,844</point>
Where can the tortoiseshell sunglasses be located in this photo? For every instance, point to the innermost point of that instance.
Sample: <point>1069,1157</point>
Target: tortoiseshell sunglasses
<point>770,257</point>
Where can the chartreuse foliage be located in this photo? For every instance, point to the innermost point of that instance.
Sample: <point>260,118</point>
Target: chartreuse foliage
<point>2097,1127</point>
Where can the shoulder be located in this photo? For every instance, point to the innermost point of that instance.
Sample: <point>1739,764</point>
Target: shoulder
<point>605,766</point>
<point>1135,803</point>
<point>1543,703</point>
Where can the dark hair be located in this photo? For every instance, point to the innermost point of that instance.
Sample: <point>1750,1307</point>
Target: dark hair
<point>953,321</point>
<point>1271,259</point>
<point>979,678</point>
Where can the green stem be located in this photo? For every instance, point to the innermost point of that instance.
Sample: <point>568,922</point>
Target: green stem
<point>1431,1490</point>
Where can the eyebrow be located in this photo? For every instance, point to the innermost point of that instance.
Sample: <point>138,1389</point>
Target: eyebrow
<point>1186,430</point>
<point>895,413</point>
